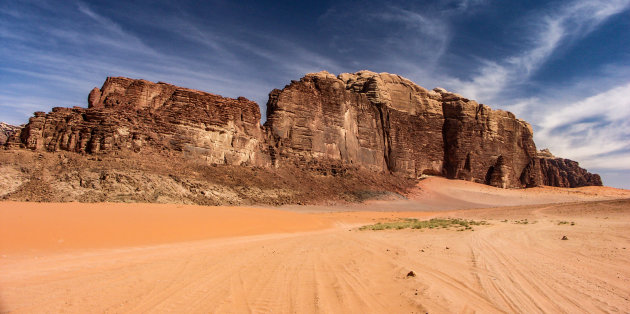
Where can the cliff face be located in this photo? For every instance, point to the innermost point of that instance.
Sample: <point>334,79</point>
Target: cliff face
<point>386,122</point>
<point>362,120</point>
<point>379,122</point>
<point>127,114</point>
<point>484,145</point>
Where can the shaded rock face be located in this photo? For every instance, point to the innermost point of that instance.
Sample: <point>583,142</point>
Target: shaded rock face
<point>566,173</point>
<point>326,123</point>
<point>127,114</point>
<point>6,130</point>
<point>484,145</point>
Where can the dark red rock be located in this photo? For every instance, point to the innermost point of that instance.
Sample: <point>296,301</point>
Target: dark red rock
<point>387,123</point>
<point>485,145</point>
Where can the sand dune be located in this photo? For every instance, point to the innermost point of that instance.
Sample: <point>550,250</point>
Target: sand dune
<point>440,194</point>
<point>159,258</point>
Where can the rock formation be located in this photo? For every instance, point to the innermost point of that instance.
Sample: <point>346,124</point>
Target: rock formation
<point>564,172</point>
<point>377,122</point>
<point>6,130</point>
<point>385,122</point>
<point>382,122</point>
<point>127,114</point>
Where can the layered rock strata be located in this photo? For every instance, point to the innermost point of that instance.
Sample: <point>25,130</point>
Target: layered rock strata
<point>379,122</point>
<point>127,114</point>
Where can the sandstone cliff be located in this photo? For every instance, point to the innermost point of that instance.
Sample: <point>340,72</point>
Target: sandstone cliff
<point>361,119</point>
<point>127,114</point>
<point>326,124</point>
<point>385,122</point>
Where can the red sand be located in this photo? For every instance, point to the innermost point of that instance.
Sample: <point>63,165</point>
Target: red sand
<point>55,226</point>
<point>113,257</point>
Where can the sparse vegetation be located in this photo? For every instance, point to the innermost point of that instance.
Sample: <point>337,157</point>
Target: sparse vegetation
<point>521,222</point>
<point>445,223</point>
<point>566,223</point>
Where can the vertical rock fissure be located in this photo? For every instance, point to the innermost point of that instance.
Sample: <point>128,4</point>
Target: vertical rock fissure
<point>386,137</point>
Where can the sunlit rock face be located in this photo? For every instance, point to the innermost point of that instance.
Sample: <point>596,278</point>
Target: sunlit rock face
<point>385,122</point>
<point>127,114</point>
<point>378,122</point>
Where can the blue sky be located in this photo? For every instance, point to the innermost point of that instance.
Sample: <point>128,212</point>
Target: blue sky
<point>564,66</point>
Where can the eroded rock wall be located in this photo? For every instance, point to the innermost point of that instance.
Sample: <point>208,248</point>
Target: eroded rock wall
<point>318,120</point>
<point>127,114</point>
<point>380,122</point>
<point>373,121</point>
<point>386,122</point>
<point>484,145</point>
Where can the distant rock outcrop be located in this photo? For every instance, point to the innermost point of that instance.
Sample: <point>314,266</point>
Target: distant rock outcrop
<point>6,130</point>
<point>565,173</point>
<point>379,122</point>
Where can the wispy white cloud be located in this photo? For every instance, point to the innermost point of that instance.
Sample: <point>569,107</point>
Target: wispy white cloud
<point>617,161</point>
<point>553,30</point>
<point>398,38</point>
<point>426,32</point>
<point>594,131</point>
<point>110,34</point>
<point>61,54</point>
<point>75,48</point>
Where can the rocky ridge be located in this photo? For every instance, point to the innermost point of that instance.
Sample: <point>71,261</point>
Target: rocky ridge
<point>348,127</point>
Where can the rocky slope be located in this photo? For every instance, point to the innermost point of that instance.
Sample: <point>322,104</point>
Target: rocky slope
<point>365,132</point>
<point>156,177</point>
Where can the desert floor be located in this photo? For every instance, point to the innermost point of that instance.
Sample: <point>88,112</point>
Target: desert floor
<point>156,258</point>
